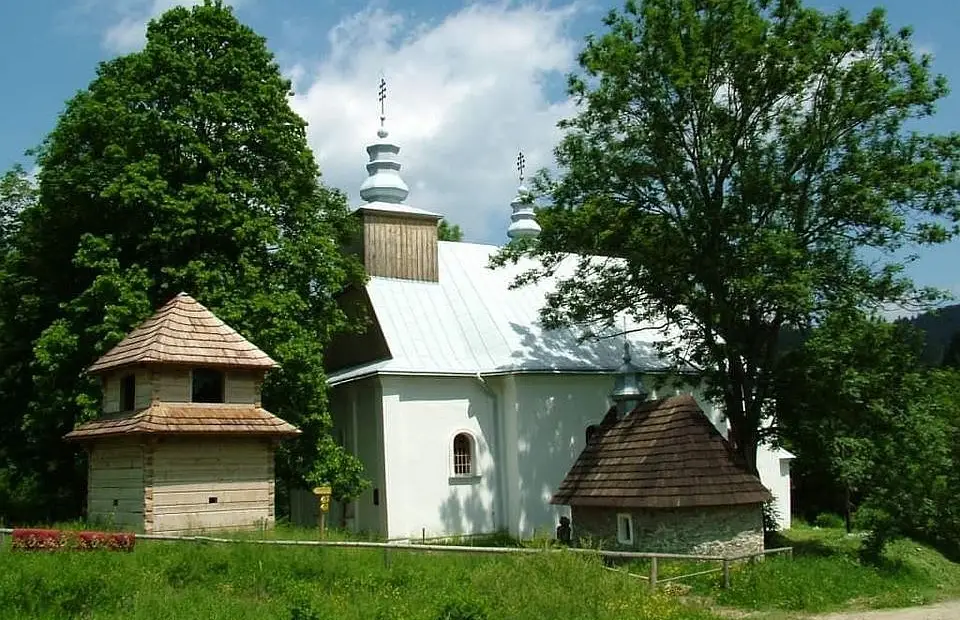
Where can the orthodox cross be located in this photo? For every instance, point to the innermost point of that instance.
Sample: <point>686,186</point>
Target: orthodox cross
<point>521,164</point>
<point>382,97</point>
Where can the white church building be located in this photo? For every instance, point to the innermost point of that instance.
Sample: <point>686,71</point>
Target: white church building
<point>464,411</point>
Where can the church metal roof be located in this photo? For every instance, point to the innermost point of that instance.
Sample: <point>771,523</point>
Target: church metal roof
<point>470,322</point>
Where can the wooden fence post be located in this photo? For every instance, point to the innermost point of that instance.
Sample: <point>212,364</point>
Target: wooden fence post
<point>726,574</point>
<point>653,573</point>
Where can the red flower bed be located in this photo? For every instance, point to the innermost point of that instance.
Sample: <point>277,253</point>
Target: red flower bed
<point>51,540</point>
<point>37,540</point>
<point>105,540</point>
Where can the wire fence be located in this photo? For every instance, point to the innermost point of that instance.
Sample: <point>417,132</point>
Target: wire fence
<point>653,577</point>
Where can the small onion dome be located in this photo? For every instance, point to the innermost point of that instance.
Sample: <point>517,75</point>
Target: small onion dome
<point>628,390</point>
<point>523,221</point>
<point>384,183</point>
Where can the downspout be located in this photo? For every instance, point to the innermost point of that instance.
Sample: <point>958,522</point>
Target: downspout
<point>499,465</point>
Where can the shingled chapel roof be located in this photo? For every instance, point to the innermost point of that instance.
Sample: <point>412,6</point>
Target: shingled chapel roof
<point>664,454</point>
<point>183,331</point>
<point>187,418</point>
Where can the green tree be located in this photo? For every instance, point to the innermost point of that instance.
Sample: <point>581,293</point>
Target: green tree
<point>180,167</point>
<point>17,193</point>
<point>448,232</point>
<point>746,161</point>
<point>833,391</point>
<point>911,487</point>
<point>873,427</point>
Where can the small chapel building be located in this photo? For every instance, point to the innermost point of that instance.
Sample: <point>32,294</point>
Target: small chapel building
<point>183,444</point>
<point>656,475</point>
<point>464,410</point>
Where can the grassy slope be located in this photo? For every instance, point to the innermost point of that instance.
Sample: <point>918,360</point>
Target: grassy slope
<point>184,581</point>
<point>825,575</point>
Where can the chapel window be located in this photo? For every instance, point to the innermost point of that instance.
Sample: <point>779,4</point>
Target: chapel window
<point>625,529</point>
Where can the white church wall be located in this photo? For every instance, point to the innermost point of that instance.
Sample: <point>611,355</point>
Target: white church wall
<point>774,467</point>
<point>552,414</point>
<point>421,417</point>
<point>357,425</point>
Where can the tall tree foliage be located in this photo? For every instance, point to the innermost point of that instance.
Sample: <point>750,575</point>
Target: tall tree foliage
<point>735,159</point>
<point>875,427</point>
<point>833,392</point>
<point>17,193</point>
<point>180,167</point>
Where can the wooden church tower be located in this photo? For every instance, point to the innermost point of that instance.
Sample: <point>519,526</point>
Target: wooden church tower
<point>183,444</point>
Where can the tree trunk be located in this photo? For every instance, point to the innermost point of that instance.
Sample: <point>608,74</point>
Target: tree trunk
<point>846,508</point>
<point>743,435</point>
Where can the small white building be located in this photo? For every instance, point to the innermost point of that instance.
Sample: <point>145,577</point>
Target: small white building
<point>465,412</point>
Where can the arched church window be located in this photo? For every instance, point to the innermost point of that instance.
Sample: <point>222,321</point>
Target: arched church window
<point>463,455</point>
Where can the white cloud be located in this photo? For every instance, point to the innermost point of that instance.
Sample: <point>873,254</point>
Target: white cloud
<point>129,19</point>
<point>464,94</point>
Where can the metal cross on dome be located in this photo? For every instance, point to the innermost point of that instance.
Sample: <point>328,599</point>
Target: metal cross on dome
<point>521,165</point>
<point>382,96</point>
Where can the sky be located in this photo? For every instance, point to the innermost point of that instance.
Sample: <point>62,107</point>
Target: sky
<point>469,84</point>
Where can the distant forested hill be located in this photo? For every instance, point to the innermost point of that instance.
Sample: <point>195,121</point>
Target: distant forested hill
<point>939,326</point>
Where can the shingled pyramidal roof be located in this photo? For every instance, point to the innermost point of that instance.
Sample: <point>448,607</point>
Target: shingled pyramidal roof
<point>664,454</point>
<point>184,332</point>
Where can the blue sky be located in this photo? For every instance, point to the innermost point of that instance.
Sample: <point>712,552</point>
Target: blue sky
<point>469,84</point>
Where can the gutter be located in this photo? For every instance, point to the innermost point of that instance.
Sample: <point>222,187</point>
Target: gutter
<point>335,381</point>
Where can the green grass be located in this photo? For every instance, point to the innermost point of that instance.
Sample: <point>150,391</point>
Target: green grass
<point>184,580</point>
<point>825,575</point>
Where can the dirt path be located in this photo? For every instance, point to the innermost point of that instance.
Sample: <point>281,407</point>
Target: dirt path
<point>949,610</point>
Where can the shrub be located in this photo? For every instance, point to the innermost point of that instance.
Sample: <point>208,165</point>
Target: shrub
<point>771,522</point>
<point>303,611</point>
<point>462,609</point>
<point>829,520</point>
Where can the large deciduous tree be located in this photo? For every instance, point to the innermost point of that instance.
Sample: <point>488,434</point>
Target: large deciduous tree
<point>746,165</point>
<point>180,167</point>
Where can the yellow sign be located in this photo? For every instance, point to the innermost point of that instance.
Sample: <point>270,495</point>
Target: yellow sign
<point>323,494</point>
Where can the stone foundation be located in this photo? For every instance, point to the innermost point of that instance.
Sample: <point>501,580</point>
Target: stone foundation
<point>719,530</point>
